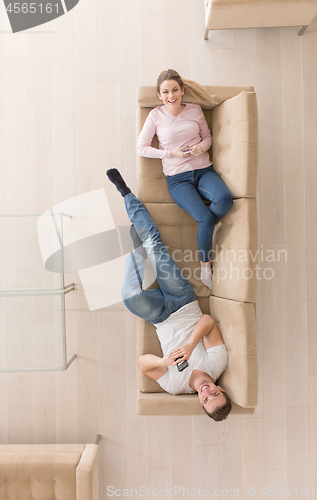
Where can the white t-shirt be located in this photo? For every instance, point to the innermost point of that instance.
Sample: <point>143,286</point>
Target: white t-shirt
<point>176,331</point>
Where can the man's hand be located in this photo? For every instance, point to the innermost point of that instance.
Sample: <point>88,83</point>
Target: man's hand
<point>184,352</point>
<point>169,360</point>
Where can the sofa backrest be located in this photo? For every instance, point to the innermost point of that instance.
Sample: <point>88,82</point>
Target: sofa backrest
<point>39,471</point>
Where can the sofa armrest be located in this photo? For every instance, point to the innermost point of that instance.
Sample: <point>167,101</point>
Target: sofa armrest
<point>235,139</point>
<point>87,474</point>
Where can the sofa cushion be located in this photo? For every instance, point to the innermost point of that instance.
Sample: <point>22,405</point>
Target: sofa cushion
<point>234,250</point>
<point>235,253</point>
<point>236,321</point>
<point>234,149</point>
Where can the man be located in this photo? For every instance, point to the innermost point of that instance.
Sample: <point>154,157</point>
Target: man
<point>183,331</point>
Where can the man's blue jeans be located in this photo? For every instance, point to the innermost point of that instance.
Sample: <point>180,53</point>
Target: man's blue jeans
<point>175,291</point>
<point>188,190</point>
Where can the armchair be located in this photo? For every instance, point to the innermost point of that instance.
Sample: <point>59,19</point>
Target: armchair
<point>227,14</point>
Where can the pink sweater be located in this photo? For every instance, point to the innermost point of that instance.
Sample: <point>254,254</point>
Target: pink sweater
<point>187,129</point>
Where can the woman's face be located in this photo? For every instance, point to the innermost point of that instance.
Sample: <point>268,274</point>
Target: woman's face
<point>171,94</point>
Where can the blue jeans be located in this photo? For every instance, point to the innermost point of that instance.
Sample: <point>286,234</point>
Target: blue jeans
<point>175,291</point>
<point>188,190</point>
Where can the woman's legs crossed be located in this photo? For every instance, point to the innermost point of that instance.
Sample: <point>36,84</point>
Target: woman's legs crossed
<point>186,195</point>
<point>212,188</point>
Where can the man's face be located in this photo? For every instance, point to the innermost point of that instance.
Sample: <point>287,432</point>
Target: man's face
<point>210,395</point>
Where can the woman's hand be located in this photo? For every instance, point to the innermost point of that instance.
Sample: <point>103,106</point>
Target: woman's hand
<point>178,153</point>
<point>196,150</point>
<point>184,352</point>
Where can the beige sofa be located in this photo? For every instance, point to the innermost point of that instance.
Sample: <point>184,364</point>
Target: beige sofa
<point>54,471</point>
<point>226,14</point>
<point>233,122</point>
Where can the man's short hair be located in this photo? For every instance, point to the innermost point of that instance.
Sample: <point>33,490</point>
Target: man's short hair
<point>222,412</point>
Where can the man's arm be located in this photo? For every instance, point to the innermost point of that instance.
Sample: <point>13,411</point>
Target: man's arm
<point>206,329</point>
<point>214,337</point>
<point>154,366</point>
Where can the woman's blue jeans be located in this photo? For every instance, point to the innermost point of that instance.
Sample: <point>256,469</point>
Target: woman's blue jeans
<point>174,290</point>
<point>188,190</point>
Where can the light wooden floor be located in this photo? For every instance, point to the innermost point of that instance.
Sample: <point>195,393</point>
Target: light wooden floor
<point>67,112</point>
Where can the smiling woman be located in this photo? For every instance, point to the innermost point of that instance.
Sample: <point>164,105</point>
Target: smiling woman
<point>184,140</point>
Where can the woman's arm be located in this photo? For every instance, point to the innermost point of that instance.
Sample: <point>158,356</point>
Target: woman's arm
<point>145,140</point>
<point>204,131</point>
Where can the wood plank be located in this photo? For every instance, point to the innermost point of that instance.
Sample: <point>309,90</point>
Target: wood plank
<point>89,385</point>
<point>246,57</point>
<point>108,41</point>
<point>277,480</point>
<point>252,444</point>
<point>183,446</point>
<point>137,454</point>
<point>62,114</point>
<point>4,409</point>
<point>295,287</point>
<point>206,431</point>
<point>66,383</point>
<point>274,360</point>
<point>40,153</point>
<point>161,480</point>
<point>86,121</point>
<point>160,442</point>
<point>292,106</point>
<point>153,8</point>
<point>206,466</point>
<point>222,39</point>
<point>310,127</point>
<point>270,145</point>
<point>223,66</point>
<point>2,123</point>
<point>309,44</point>
<point>15,133</point>
<point>39,62</point>
<point>130,367</point>
<point>131,26</point>
<point>43,408</point>
<point>84,23</point>
<point>20,408</point>
<point>298,453</point>
<point>113,393</point>
<point>229,459</point>
<point>313,431</point>
<point>153,42</point>
<point>176,36</point>
<point>312,338</point>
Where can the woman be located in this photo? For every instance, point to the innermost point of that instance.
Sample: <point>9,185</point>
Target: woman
<point>184,139</point>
